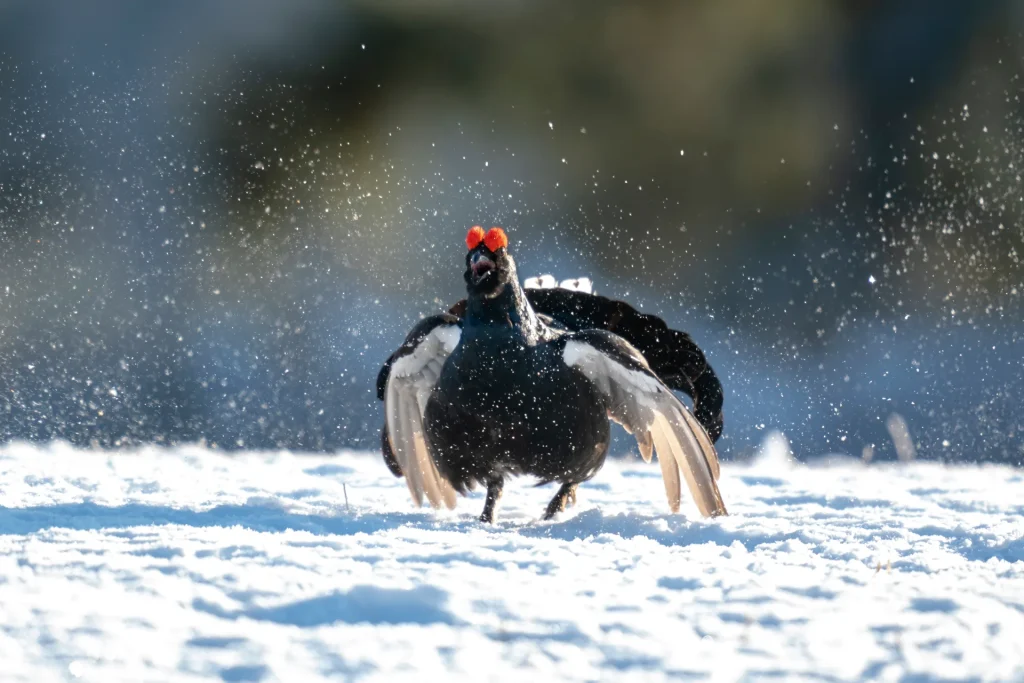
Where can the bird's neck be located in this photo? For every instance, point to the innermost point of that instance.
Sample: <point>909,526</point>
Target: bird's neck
<point>508,312</point>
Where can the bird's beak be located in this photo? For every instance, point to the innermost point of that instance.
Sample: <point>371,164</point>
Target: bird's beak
<point>481,265</point>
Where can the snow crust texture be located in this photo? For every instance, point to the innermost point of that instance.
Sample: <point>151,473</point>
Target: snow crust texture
<point>186,564</point>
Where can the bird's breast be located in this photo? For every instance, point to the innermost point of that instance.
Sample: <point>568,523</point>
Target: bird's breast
<point>508,381</point>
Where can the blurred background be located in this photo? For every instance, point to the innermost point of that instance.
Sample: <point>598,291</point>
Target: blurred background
<point>218,219</point>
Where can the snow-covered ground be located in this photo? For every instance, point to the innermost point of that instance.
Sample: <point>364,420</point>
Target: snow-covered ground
<point>188,565</point>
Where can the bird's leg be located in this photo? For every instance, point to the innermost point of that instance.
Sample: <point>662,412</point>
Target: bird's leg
<point>566,494</point>
<point>494,488</point>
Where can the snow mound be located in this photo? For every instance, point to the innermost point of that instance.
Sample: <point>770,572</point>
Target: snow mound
<point>186,564</point>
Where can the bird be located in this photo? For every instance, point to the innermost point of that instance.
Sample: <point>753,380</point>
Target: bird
<point>513,381</point>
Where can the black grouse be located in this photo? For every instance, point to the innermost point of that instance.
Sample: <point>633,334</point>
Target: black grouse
<point>524,382</point>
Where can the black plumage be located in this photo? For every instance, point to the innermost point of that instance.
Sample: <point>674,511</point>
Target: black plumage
<point>672,355</point>
<point>523,382</point>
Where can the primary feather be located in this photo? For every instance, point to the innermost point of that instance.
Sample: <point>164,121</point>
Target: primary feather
<point>411,378</point>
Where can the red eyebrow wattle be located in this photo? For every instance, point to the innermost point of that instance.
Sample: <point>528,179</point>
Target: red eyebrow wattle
<point>474,237</point>
<point>496,239</point>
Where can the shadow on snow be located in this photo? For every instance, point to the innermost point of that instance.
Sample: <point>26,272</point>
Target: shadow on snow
<point>591,524</point>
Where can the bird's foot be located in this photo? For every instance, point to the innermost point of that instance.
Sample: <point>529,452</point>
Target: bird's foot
<point>566,495</point>
<point>494,489</point>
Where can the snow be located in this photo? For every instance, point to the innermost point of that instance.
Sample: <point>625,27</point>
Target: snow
<point>187,564</point>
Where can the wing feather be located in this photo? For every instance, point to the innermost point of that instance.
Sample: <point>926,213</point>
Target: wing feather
<point>669,464</point>
<point>646,446</point>
<point>410,379</point>
<point>639,401</point>
<point>705,443</point>
<point>402,444</point>
<point>693,462</point>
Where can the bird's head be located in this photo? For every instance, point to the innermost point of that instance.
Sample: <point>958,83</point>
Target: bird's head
<point>489,266</point>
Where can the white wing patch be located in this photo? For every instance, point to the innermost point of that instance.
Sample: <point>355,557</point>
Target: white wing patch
<point>410,382</point>
<point>646,408</point>
<point>579,284</point>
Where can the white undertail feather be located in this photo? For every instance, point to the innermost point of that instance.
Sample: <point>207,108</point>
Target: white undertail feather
<point>578,284</point>
<point>540,282</point>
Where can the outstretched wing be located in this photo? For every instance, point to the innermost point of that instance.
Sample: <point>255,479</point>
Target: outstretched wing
<point>405,383</point>
<point>648,409</point>
<point>671,354</point>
